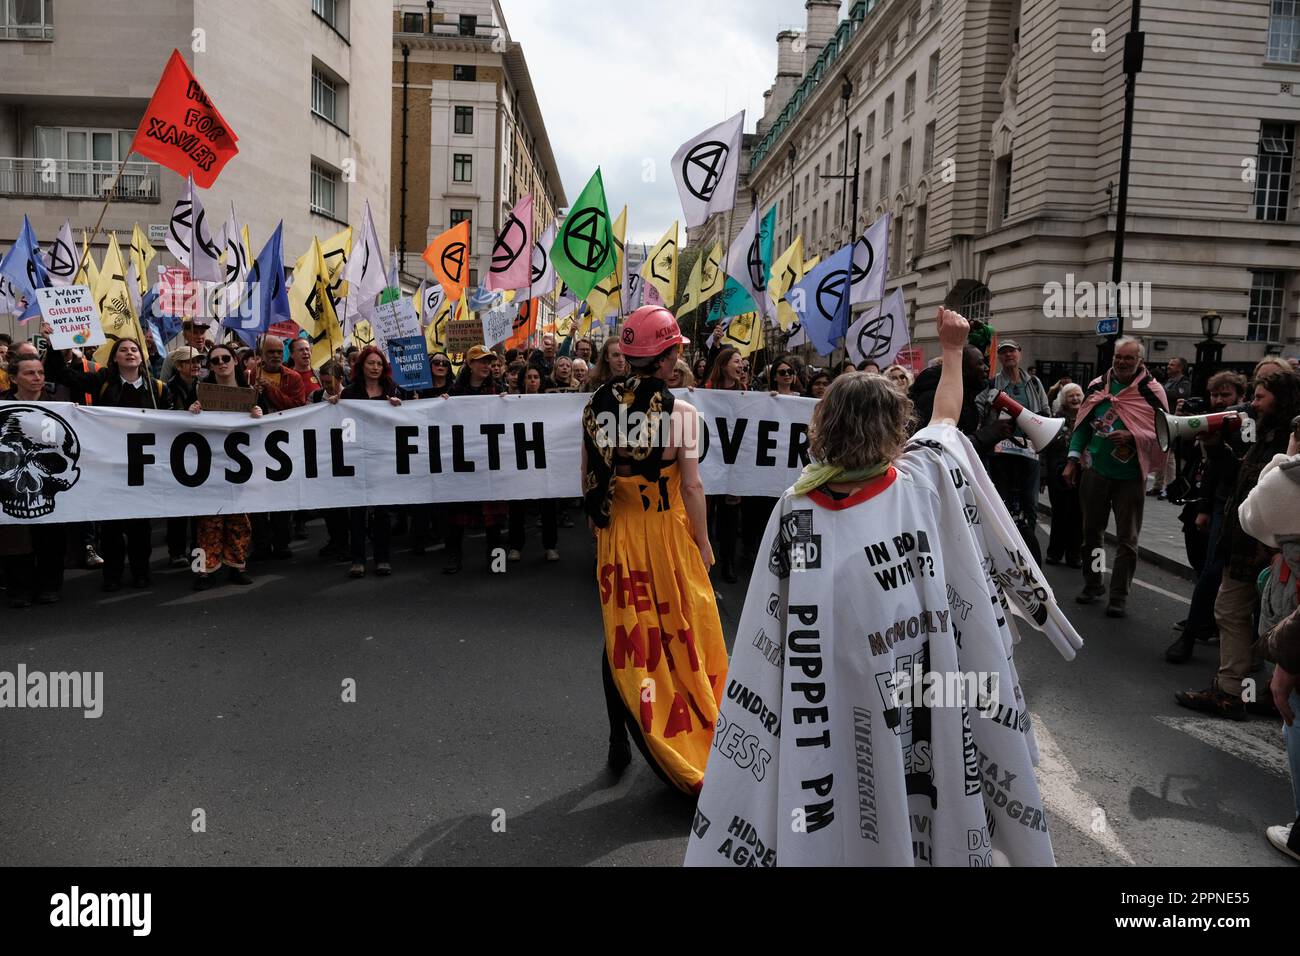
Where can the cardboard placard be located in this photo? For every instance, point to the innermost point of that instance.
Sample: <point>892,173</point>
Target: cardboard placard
<point>226,398</point>
<point>70,311</point>
<point>396,320</point>
<point>462,336</point>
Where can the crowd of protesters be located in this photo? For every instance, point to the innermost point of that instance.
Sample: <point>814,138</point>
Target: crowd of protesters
<point>1104,461</point>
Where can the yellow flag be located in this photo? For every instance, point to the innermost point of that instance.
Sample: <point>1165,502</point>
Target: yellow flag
<point>363,334</point>
<point>712,275</point>
<point>745,332</point>
<point>435,333</point>
<point>606,296</point>
<point>335,251</point>
<point>88,276</point>
<point>312,308</point>
<point>142,253</point>
<point>692,298</point>
<point>786,271</point>
<point>113,299</point>
<point>660,269</point>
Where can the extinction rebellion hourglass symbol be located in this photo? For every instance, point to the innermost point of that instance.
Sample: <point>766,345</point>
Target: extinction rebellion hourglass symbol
<point>703,167</point>
<point>584,242</point>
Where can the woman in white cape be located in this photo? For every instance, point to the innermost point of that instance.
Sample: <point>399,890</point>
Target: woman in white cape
<point>872,713</point>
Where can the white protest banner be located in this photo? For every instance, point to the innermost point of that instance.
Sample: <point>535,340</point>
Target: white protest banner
<point>395,320</point>
<point>102,463</point>
<point>70,311</point>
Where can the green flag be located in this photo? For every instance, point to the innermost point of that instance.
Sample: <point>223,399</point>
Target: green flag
<point>584,251</point>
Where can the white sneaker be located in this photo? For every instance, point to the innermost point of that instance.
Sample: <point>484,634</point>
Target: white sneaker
<point>514,555</point>
<point>552,555</point>
<point>1278,836</point>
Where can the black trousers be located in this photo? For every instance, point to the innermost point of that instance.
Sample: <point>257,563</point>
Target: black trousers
<point>455,538</point>
<point>622,723</point>
<point>41,571</point>
<point>337,523</point>
<point>122,542</point>
<point>519,517</point>
<point>271,531</point>
<point>726,525</point>
<point>1066,538</point>
<point>381,528</point>
<point>178,538</point>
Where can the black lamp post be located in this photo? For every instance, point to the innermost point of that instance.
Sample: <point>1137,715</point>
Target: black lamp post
<point>1209,353</point>
<point>791,155</point>
<point>850,180</point>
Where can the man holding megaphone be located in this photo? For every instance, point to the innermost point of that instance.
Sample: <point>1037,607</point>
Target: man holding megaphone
<point>1113,449</point>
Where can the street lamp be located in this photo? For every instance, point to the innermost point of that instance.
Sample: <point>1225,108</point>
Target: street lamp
<point>1209,353</point>
<point>791,154</point>
<point>846,94</point>
<point>850,180</point>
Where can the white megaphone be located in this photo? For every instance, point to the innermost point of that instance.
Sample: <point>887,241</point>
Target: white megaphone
<point>1170,427</point>
<point>1040,431</point>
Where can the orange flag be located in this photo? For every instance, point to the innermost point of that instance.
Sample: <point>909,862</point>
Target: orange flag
<point>182,129</point>
<point>524,326</point>
<point>448,257</point>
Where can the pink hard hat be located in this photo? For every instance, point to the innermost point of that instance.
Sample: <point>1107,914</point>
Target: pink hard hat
<point>650,330</point>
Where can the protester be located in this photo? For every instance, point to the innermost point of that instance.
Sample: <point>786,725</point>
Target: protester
<point>610,365</point>
<point>300,354</point>
<point>530,383</point>
<point>579,373</point>
<point>279,389</point>
<point>337,520</point>
<point>1178,389</point>
<point>33,554</point>
<point>974,380</point>
<point>561,376</point>
<point>1013,464</point>
<point>475,378</point>
<point>194,333</point>
<point>867,366</point>
<point>1276,403</point>
<point>727,373</point>
<point>913,786</point>
<point>817,384</point>
<point>681,376</point>
<point>661,550</point>
<point>123,383</point>
<point>1063,543</point>
<point>901,376</point>
<point>1116,431</point>
<point>224,540</point>
<point>784,379</point>
<point>1055,390</point>
<point>1213,477</point>
<point>701,369</point>
<point>372,380</point>
<point>183,387</point>
<point>584,349</point>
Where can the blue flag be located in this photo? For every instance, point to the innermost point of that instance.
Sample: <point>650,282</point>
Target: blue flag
<point>265,300</point>
<point>821,299</point>
<point>23,266</point>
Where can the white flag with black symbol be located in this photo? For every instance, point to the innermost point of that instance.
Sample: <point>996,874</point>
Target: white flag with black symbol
<point>543,274</point>
<point>747,264</point>
<point>61,261</point>
<point>707,168</point>
<point>189,240</point>
<point>870,262</point>
<point>365,272</point>
<point>880,333</point>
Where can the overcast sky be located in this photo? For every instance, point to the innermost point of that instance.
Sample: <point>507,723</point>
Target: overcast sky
<point>623,85</point>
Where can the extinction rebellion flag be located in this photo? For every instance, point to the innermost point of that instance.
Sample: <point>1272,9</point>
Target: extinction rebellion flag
<point>584,252</point>
<point>182,129</point>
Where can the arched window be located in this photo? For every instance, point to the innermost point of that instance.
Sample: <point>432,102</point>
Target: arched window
<point>975,303</point>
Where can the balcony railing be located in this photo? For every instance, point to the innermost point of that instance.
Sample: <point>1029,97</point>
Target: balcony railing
<point>78,179</point>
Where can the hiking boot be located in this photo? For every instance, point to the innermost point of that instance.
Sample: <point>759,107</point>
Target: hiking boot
<point>1212,701</point>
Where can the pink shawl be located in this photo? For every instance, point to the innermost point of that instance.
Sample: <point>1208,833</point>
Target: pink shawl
<point>1136,404</point>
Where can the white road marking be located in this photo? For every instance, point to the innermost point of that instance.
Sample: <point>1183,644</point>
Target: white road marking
<point>223,591</point>
<point>1152,587</point>
<point>1258,742</point>
<point>1064,797</point>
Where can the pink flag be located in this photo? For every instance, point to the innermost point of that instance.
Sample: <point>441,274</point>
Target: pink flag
<point>512,253</point>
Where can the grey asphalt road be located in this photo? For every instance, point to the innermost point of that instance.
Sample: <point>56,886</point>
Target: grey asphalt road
<point>477,735</point>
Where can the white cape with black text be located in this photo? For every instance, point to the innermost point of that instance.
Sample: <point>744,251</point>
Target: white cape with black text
<point>822,754</point>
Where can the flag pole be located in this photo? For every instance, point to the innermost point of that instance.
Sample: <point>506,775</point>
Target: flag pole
<point>103,209</point>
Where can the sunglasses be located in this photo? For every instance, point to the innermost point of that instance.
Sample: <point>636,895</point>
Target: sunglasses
<point>440,362</point>
<point>784,372</point>
<point>219,359</point>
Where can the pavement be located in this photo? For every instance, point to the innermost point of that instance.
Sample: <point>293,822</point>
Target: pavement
<point>1161,540</point>
<point>477,734</point>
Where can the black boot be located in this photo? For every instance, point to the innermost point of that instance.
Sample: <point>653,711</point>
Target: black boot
<point>620,754</point>
<point>1180,651</point>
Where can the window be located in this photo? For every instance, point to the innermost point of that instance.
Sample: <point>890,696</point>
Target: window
<point>806,194</point>
<point>936,7</point>
<point>1002,194</point>
<point>813,235</point>
<point>905,163</point>
<point>909,96</point>
<point>889,114</point>
<point>912,19</point>
<point>327,98</point>
<point>803,228</point>
<point>461,215</point>
<point>873,68</point>
<point>866,186</point>
<point>871,129</point>
<point>975,303</point>
<point>1284,31</point>
<point>412,22</point>
<point>473,278</point>
<point>817,179</point>
<point>893,47</point>
<point>26,19</point>
<point>1273,172</point>
<point>88,161</point>
<point>326,191</point>
<point>468,25</point>
<point>918,244</point>
<point>933,82</point>
<point>884,179</point>
<point>897,252</point>
<point>826,215</point>
<point>462,170</point>
<point>796,194</point>
<point>927,151</point>
<point>466,73</point>
<point>464,120</point>
<point>1264,320</point>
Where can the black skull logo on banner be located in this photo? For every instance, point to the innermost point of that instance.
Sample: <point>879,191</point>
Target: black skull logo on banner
<point>38,459</point>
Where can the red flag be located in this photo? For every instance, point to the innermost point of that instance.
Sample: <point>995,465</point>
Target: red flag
<point>182,129</point>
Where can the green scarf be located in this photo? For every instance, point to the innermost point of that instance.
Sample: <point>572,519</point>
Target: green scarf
<point>815,474</point>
